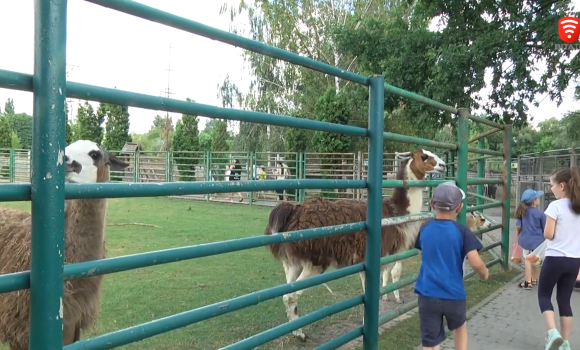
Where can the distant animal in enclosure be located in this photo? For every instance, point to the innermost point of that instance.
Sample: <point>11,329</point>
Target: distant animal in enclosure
<point>85,162</point>
<point>303,259</point>
<point>490,190</point>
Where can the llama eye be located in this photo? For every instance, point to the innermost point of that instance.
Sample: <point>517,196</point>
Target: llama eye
<point>94,154</point>
<point>424,157</point>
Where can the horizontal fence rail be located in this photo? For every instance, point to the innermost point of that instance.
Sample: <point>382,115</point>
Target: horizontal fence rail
<point>367,176</point>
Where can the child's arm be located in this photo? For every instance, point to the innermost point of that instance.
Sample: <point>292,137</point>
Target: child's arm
<point>551,214</point>
<point>471,247</point>
<point>549,229</point>
<point>477,264</point>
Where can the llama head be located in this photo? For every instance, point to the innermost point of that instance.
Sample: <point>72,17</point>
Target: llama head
<point>86,162</point>
<point>475,220</point>
<point>421,162</point>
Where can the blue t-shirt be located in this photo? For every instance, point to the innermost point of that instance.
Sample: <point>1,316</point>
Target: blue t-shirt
<point>444,245</point>
<point>532,224</point>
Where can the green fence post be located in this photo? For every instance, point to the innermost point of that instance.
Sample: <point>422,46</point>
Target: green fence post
<point>430,194</point>
<point>168,177</point>
<point>303,176</point>
<point>462,157</point>
<point>136,166</point>
<point>480,171</point>
<point>507,183</point>
<point>374,213</point>
<point>250,172</point>
<point>452,169</point>
<point>12,165</point>
<point>47,194</point>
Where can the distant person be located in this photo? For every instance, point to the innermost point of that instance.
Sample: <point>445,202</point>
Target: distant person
<point>562,261</point>
<point>281,172</point>
<point>235,175</point>
<point>530,225</point>
<point>444,244</point>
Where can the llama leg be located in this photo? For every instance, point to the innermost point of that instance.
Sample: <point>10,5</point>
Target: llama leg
<point>386,272</point>
<point>396,274</point>
<point>69,333</point>
<point>291,300</point>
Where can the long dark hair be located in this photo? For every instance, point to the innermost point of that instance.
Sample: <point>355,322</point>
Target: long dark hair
<point>522,209</point>
<point>570,177</point>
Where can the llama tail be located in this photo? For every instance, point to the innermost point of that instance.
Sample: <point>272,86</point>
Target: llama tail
<point>278,222</point>
<point>279,217</point>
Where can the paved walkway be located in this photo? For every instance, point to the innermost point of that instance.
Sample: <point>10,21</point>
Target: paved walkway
<point>511,319</point>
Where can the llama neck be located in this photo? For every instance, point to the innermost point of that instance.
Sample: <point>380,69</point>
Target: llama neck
<point>85,229</point>
<point>415,194</point>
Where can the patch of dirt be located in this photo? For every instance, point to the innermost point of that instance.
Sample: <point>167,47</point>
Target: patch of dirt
<point>354,320</point>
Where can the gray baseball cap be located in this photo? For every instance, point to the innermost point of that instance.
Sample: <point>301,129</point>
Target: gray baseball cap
<point>447,196</point>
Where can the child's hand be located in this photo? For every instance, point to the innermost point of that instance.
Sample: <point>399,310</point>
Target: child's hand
<point>485,275</point>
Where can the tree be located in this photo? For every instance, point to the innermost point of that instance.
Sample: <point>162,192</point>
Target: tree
<point>117,127</point>
<point>332,108</point>
<point>449,64</point>
<point>9,107</point>
<point>21,124</point>
<point>5,133</point>
<point>186,141</point>
<point>68,128</point>
<point>89,123</point>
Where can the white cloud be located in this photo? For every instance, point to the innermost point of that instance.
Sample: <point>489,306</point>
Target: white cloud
<point>112,49</point>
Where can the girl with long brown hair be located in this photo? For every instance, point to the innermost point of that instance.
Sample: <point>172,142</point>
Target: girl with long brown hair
<point>562,260</point>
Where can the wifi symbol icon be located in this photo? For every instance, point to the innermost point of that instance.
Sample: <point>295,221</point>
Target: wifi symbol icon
<point>569,29</point>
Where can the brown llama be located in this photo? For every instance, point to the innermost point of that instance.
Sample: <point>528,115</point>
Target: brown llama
<point>85,162</point>
<point>303,259</point>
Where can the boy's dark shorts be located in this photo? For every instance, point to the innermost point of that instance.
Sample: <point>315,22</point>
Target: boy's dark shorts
<point>431,312</point>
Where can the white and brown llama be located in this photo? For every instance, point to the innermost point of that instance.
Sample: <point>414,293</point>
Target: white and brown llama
<point>85,162</point>
<point>303,259</point>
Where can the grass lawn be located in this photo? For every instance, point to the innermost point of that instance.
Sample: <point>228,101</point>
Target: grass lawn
<point>142,295</point>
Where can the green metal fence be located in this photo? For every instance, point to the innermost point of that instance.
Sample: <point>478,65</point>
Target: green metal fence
<point>47,193</point>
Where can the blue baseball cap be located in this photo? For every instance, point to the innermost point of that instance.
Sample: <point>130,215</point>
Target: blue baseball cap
<point>529,195</point>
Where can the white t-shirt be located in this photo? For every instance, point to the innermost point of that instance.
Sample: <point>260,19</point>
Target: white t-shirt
<point>566,240</point>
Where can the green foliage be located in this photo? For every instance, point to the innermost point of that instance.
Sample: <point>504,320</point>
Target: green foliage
<point>186,139</point>
<point>5,133</point>
<point>334,108</point>
<point>21,124</point>
<point>449,65</point>
<point>69,138</point>
<point>220,136</point>
<point>117,127</point>
<point>89,123</point>
<point>9,107</point>
<point>15,141</point>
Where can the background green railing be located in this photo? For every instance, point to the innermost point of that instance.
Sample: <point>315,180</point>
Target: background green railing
<point>47,194</point>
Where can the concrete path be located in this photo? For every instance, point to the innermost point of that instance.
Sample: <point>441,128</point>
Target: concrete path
<point>510,319</point>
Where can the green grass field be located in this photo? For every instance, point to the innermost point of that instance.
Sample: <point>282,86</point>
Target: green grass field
<point>138,296</point>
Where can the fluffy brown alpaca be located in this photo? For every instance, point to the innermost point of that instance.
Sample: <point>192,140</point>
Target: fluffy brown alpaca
<point>84,241</point>
<point>303,259</point>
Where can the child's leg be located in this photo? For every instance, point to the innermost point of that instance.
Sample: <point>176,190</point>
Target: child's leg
<point>549,276</point>
<point>535,274</point>
<point>460,337</point>
<point>564,293</point>
<point>455,312</point>
<point>431,321</point>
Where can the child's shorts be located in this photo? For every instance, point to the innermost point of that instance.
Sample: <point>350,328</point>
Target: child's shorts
<point>431,312</point>
<point>525,253</point>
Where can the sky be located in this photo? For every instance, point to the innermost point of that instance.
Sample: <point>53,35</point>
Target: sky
<point>115,50</point>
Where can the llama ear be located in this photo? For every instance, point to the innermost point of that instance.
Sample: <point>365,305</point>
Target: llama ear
<point>402,155</point>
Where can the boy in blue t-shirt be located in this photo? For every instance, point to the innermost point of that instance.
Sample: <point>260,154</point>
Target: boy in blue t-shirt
<point>444,244</point>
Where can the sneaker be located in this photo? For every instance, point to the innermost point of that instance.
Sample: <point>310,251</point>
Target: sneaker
<point>565,345</point>
<point>554,340</point>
